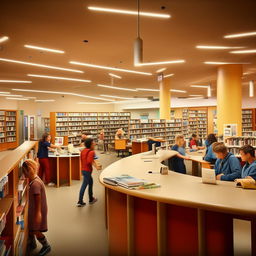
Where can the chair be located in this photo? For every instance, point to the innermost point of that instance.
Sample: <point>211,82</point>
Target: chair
<point>120,145</point>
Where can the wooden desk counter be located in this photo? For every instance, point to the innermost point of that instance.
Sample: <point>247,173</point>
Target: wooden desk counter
<point>65,168</point>
<point>183,211</point>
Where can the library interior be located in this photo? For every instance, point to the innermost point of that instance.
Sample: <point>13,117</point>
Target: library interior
<point>127,127</point>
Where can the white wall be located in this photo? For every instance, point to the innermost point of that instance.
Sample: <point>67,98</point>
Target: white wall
<point>8,104</point>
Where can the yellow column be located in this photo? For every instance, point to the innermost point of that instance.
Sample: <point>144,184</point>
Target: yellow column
<point>165,98</point>
<point>229,97</point>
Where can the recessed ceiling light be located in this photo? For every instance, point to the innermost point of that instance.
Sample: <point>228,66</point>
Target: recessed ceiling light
<point>44,100</point>
<point>115,76</point>
<point>15,81</point>
<point>147,89</point>
<point>109,68</point>
<point>158,63</point>
<point>244,51</point>
<point>199,86</point>
<point>42,48</point>
<point>60,78</point>
<point>61,93</point>
<point>11,98</point>
<point>148,14</point>
<point>174,90</point>
<point>169,75</point>
<point>41,65</point>
<point>116,88</point>
<point>160,70</point>
<point>223,63</point>
<point>3,39</point>
<point>241,35</point>
<point>215,47</point>
<point>116,97</point>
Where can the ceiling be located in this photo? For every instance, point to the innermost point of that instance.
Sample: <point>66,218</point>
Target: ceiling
<point>64,24</point>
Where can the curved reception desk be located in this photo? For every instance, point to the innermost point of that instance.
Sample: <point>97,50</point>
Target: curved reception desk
<point>64,169</point>
<point>182,217</point>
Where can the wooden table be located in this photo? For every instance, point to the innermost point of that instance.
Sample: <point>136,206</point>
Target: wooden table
<point>182,217</point>
<point>65,168</point>
<point>139,147</point>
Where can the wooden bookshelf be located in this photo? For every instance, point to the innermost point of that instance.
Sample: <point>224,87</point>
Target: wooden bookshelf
<point>70,125</point>
<point>235,143</point>
<point>248,120</point>
<point>14,204</point>
<point>8,129</point>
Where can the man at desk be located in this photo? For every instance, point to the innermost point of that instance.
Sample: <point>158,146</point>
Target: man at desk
<point>227,166</point>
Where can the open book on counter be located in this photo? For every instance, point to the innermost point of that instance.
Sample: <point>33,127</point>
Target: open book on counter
<point>130,182</point>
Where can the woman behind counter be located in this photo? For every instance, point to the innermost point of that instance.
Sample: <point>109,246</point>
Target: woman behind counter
<point>42,155</point>
<point>177,162</point>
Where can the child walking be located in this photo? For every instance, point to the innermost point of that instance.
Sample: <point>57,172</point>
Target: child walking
<point>37,211</point>
<point>87,163</point>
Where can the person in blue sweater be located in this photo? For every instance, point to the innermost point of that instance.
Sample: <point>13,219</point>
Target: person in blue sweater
<point>209,155</point>
<point>247,154</point>
<point>227,166</point>
<point>176,163</point>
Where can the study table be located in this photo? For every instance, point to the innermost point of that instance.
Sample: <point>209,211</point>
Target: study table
<point>65,168</point>
<point>182,217</point>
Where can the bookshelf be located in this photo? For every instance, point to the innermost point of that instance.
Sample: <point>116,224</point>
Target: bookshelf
<point>234,143</point>
<point>14,199</point>
<point>46,124</point>
<point>8,129</point>
<point>248,120</point>
<point>70,125</point>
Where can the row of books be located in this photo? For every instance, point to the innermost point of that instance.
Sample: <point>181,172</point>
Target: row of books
<point>4,187</point>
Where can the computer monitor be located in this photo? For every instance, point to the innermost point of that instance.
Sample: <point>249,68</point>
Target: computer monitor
<point>59,141</point>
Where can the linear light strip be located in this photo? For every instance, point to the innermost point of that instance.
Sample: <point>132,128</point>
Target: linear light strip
<point>41,65</point>
<point>244,51</point>
<point>60,78</point>
<point>159,63</point>
<point>11,98</point>
<point>5,92</point>
<point>115,76</point>
<point>117,97</point>
<point>224,63</point>
<point>160,70</point>
<point>116,88</point>
<point>15,81</point>
<point>3,39</point>
<point>109,68</point>
<point>199,86</point>
<point>241,35</point>
<point>11,95</point>
<point>147,89</point>
<point>43,48</point>
<point>181,91</point>
<point>63,93</point>
<point>169,75</point>
<point>147,14</point>
<point>215,47</point>
<point>44,100</point>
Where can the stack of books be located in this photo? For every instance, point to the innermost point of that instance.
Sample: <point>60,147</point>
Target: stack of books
<point>130,182</point>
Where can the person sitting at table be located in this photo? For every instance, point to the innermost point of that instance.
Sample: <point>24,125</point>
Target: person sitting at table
<point>119,134</point>
<point>247,154</point>
<point>227,166</point>
<point>193,144</point>
<point>176,163</point>
<point>209,155</point>
<point>152,140</point>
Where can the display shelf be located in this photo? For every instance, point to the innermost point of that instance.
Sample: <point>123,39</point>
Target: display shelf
<point>248,120</point>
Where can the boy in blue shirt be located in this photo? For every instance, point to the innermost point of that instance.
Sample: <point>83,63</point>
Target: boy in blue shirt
<point>227,166</point>
<point>247,153</point>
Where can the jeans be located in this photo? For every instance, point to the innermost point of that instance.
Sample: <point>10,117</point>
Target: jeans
<point>87,180</point>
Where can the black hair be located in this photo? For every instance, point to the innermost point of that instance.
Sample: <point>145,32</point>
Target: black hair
<point>211,138</point>
<point>194,135</point>
<point>248,149</point>
<point>88,142</point>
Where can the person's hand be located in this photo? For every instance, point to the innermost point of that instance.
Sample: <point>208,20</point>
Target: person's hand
<point>218,177</point>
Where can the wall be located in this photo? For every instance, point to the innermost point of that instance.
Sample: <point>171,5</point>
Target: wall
<point>8,104</point>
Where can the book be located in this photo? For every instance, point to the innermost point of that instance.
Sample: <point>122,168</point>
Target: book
<point>129,182</point>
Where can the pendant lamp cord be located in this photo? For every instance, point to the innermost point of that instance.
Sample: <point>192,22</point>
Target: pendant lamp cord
<point>138,19</point>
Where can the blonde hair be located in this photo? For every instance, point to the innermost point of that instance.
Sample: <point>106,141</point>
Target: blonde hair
<point>178,139</point>
<point>219,147</point>
<point>29,166</point>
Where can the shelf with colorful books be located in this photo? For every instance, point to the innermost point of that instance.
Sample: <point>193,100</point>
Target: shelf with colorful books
<point>248,120</point>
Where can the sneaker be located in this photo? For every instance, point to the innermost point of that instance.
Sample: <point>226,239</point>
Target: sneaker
<point>51,184</point>
<point>45,250</point>
<point>94,200</point>
<point>32,244</point>
<point>80,204</point>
